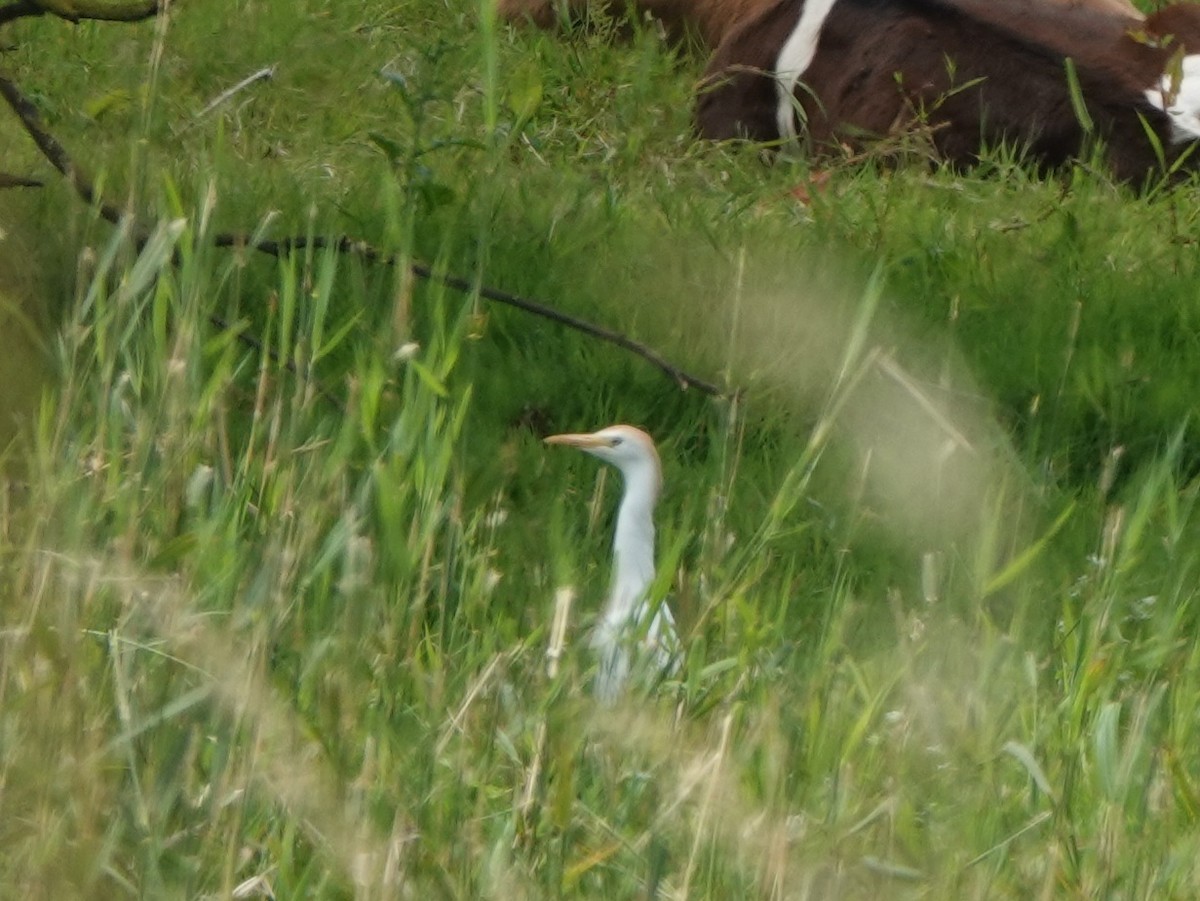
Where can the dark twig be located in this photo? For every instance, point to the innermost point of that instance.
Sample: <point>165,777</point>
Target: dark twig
<point>18,181</point>
<point>52,150</point>
<point>58,156</point>
<point>682,378</point>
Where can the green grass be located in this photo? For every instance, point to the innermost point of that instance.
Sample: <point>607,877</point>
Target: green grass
<point>935,565</point>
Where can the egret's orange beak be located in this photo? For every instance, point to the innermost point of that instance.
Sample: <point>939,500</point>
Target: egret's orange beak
<point>582,441</point>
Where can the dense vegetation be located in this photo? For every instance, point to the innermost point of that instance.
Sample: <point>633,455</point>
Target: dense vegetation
<point>282,549</point>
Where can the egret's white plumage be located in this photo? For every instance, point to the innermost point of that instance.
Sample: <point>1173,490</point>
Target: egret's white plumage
<point>622,631</point>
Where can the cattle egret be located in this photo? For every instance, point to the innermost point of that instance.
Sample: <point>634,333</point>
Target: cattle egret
<point>622,633</point>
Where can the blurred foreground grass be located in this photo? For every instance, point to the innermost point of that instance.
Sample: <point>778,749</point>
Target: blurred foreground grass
<point>935,566</point>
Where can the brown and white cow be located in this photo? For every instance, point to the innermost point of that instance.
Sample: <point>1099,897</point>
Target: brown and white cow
<point>976,72</point>
<point>831,73</point>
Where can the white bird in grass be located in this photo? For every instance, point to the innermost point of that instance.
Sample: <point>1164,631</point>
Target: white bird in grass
<point>622,630</point>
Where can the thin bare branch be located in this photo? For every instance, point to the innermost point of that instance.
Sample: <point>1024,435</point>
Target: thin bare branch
<point>61,160</point>
<point>682,378</point>
<point>52,150</point>
<point>18,181</point>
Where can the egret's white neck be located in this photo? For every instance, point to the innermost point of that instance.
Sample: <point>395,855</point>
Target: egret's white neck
<point>633,545</point>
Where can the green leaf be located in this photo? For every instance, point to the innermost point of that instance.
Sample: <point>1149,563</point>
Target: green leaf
<point>174,551</point>
<point>1024,756</point>
<point>1107,752</point>
<point>1077,102</point>
<point>390,148</point>
<point>428,378</point>
<point>114,101</point>
<point>1022,561</point>
<point>525,93</point>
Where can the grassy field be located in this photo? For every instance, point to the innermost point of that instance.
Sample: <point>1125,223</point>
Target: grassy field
<point>282,551</point>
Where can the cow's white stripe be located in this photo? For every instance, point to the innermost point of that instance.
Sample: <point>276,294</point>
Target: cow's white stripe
<point>795,58</point>
<point>1178,95</point>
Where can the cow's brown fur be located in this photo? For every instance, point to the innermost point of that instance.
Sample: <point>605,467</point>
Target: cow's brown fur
<point>976,71</point>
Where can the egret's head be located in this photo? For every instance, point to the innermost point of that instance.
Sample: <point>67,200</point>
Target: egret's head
<point>629,449</point>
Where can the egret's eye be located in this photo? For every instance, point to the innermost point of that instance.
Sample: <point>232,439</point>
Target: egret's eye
<point>616,441</point>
